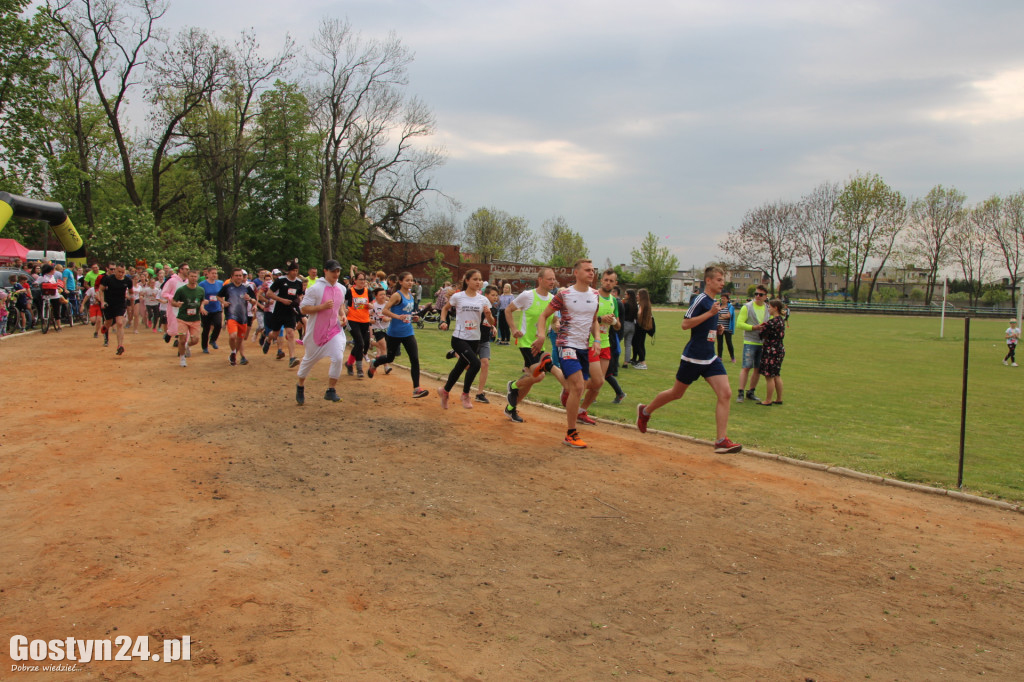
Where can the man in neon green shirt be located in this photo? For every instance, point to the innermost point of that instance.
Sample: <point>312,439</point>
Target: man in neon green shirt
<point>750,321</point>
<point>608,317</point>
<point>532,303</point>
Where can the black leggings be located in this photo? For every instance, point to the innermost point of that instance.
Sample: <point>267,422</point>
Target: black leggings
<point>469,361</point>
<point>1011,353</point>
<point>727,337</point>
<point>411,349</point>
<point>640,344</point>
<point>504,333</point>
<point>360,338</point>
<point>212,322</point>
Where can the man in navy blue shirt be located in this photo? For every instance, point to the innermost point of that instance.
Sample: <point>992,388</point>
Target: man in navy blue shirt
<point>700,360</point>
<point>212,319</point>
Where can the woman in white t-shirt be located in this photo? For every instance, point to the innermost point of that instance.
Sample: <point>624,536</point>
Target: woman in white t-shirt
<point>469,305</point>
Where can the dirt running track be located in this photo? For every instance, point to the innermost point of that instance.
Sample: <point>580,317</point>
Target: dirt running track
<point>383,539</point>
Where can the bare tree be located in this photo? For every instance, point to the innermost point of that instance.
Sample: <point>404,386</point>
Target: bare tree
<point>933,221</point>
<point>817,230</point>
<point>766,240</point>
<point>440,228</point>
<point>969,249</point>
<point>371,176</point>
<point>113,38</point>
<point>1002,222</point>
<point>519,239</point>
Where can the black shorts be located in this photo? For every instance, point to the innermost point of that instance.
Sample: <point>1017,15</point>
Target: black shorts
<point>689,372</point>
<point>529,357</point>
<point>279,319</point>
<point>379,334</point>
<point>111,312</point>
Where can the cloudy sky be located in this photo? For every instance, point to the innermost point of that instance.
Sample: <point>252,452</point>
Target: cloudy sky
<point>678,117</point>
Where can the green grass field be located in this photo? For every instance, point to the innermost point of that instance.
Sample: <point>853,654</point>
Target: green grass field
<point>873,393</point>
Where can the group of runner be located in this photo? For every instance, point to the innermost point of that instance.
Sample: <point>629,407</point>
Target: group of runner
<point>315,312</point>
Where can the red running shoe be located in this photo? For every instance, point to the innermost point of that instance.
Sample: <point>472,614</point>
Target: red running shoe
<point>586,418</point>
<point>641,418</point>
<point>726,447</point>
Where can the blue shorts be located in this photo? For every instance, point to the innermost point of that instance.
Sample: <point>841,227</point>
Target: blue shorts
<point>689,372</point>
<point>751,356</point>
<point>571,365</point>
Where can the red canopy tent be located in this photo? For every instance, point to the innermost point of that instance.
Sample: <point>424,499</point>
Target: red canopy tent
<point>11,250</point>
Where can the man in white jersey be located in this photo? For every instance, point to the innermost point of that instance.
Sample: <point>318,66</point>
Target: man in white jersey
<point>608,320</point>
<point>532,303</point>
<point>577,306</point>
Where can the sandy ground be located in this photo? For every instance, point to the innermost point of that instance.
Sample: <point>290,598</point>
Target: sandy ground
<point>383,539</point>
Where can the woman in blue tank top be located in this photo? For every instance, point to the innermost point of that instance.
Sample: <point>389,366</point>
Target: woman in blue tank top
<point>401,308</point>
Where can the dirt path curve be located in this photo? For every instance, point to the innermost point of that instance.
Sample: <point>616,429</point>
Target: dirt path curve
<point>383,539</point>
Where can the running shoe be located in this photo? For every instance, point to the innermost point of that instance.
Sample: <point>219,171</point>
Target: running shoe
<point>619,398</point>
<point>96,335</point>
<point>280,353</point>
<point>348,368</point>
<point>266,345</point>
<point>443,395</point>
<point>371,371</point>
<point>739,398</point>
<point>641,418</point>
<point>175,343</point>
<point>450,355</point>
<point>300,395</point>
<point>467,402</point>
<point>293,362</point>
<point>167,338</point>
<point>120,350</point>
<point>214,345</point>
<point>231,358</point>
<point>544,365</point>
<point>640,365</point>
<point>586,418</point>
<point>359,374</point>
<point>752,396</point>
<point>182,362</point>
<point>512,394</point>
<point>513,414</point>
<point>106,342</point>
<point>243,361</point>
<point>726,447</point>
<point>420,393</point>
<point>387,370</point>
<point>206,351</point>
<point>332,395</point>
<point>1004,361</point>
<point>564,397</point>
<point>299,342</point>
<point>573,440</point>
<point>481,398</point>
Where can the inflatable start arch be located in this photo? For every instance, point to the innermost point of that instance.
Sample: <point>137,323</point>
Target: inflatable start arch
<point>12,205</point>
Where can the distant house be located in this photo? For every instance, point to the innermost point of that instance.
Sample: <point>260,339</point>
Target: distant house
<point>807,275</point>
<point>743,278</point>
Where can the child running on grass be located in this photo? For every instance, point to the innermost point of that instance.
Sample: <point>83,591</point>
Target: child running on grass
<point>699,360</point>
<point>1012,339</point>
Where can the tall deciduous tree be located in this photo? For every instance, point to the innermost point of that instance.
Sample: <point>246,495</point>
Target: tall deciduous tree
<point>24,80</point>
<point>656,265</point>
<point>561,246</point>
<point>933,221</point>
<point>371,175</point>
<point>871,217</point>
<point>1002,220</point>
<point>970,249</point>
<point>484,234</point>
<point>766,240</point>
<point>817,230</point>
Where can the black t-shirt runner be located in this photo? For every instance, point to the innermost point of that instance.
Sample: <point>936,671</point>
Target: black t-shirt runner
<point>116,291</point>
<point>290,289</point>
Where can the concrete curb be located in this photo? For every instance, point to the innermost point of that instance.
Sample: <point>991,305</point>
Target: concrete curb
<point>804,464</point>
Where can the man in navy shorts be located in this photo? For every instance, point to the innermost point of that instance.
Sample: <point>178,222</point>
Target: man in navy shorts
<point>700,360</point>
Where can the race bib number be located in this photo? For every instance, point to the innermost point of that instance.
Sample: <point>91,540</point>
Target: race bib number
<point>212,298</point>
<point>604,329</point>
<point>359,304</point>
<point>712,335</point>
<point>291,292</point>
<point>190,311</point>
<point>470,326</point>
<point>568,353</point>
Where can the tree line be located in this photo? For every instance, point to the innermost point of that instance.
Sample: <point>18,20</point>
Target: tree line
<point>863,225</point>
<point>186,146</point>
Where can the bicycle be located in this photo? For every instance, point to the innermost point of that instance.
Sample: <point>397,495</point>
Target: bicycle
<point>47,315</point>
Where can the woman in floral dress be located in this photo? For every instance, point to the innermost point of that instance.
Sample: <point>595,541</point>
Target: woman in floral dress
<point>773,351</point>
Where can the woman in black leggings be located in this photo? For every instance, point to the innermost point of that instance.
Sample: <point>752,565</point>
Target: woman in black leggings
<point>469,306</point>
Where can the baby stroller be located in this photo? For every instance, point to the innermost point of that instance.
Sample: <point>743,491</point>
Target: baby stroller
<point>429,314</point>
